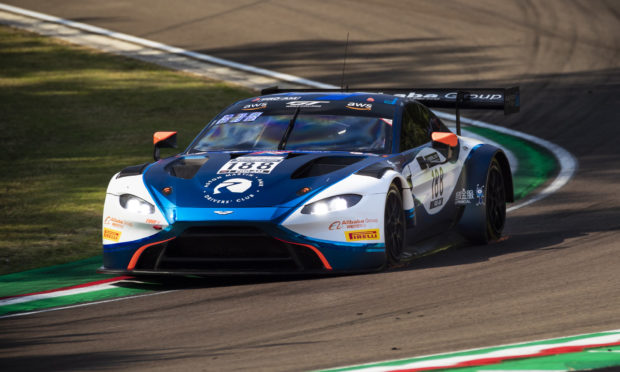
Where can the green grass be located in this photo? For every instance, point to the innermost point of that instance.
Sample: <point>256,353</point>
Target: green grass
<point>70,118</point>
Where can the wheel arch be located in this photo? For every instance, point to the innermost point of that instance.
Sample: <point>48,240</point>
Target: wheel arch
<point>404,188</point>
<point>472,223</point>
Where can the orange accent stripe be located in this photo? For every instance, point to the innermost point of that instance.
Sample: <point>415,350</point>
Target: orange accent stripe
<point>315,249</point>
<point>136,256</point>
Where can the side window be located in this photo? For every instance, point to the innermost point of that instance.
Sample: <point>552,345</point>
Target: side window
<point>436,124</point>
<point>415,130</point>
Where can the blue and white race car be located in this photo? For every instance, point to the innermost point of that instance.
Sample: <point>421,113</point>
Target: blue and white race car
<point>310,182</point>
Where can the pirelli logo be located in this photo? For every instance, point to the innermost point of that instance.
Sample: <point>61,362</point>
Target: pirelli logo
<point>113,235</point>
<point>355,235</point>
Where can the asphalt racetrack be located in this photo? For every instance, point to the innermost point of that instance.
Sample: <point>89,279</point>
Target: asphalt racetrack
<point>556,274</point>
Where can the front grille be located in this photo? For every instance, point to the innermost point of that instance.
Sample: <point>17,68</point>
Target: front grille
<point>228,248</point>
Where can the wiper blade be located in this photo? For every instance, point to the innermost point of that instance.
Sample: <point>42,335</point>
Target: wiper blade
<point>289,129</point>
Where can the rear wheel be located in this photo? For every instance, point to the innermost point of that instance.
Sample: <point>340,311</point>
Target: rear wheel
<point>394,225</point>
<point>495,202</point>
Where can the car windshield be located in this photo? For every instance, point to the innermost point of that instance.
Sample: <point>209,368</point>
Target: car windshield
<point>310,132</point>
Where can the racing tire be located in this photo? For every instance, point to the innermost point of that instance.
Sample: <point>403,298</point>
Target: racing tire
<point>394,226</point>
<point>495,202</point>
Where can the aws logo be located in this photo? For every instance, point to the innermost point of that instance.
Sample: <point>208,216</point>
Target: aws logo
<point>254,106</point>
<point>359,106</point>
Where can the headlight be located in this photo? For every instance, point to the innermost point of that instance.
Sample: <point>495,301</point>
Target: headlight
<point>335,203</point>
<point>136,204</point>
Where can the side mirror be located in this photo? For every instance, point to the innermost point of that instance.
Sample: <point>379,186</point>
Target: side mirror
<point>163,140</point>
<point>447,138</point>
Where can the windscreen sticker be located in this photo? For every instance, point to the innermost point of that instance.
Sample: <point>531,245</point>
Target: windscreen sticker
<point>387,121</point>
<point>251,164</point>
<point>277,98</point>
<point>306,103</point>
<point>225,119</point>
<point>254,106</point>
<point>359,106</point>
<point>253,116</point>
<point>239,117</point>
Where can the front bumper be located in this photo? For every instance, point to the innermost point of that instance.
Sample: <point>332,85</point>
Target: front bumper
<point>238,248</point>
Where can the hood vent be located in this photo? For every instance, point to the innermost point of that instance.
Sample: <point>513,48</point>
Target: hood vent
<point>185,168</point>
<point>324,165</point>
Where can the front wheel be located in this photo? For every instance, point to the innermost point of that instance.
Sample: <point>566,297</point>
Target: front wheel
<point>394,225</point>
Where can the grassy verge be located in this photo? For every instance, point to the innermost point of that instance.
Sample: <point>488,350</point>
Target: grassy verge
<point>70,118</point>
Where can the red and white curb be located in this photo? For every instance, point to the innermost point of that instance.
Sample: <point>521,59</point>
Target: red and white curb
<point>98,285</point>
<point>480,358</point>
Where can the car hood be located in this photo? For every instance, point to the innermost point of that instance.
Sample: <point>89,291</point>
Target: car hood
<point>247,180</point>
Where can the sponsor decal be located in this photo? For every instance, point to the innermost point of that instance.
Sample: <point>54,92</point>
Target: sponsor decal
<point>232,188</point>
<point>392,102</point>
<point>436,203</point>
<point>372,234</point>
<point>451,96</point>
<point>237,118</point>
<point>490,97</point>
<point>352,224</point>
<point>370,99</point>
<point>306,103</point>
<point>253,116</point>
<point>117,223</point>
<point>113,235</point>
<point>254,106</point>
<point>279,98</point>
<point>480,195</point>
<point>250,164</point>
<point>151,221</point>
<point>414,95</point>
<point>359,106</point>
<point>225,119</point>
<point>432,158</point>
<point>464,197</point>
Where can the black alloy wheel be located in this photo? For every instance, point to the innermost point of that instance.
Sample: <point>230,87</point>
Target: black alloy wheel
<point>394,225</point>
<point>495,202</point>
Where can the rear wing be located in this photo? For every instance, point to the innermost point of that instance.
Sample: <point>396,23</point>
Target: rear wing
<point>506,99</point>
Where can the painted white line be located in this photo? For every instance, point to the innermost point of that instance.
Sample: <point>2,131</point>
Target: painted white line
<point>511,351</point>
<point>166,48</point>
<point>568,163</point>
<point>84,305</point>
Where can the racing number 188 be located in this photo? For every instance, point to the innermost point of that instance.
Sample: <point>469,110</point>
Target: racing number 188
<point>437,188</point>
<point>247,166</point>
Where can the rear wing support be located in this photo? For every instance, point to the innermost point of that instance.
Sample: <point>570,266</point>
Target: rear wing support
<point>506,99</point>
